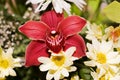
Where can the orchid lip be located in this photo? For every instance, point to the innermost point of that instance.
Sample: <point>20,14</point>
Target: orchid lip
<point>55,41</point>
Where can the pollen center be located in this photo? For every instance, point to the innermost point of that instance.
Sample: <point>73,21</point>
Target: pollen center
<point>101,58</point>
<point>58,60</point>
<point>4,63</point>
<point>102,78</point>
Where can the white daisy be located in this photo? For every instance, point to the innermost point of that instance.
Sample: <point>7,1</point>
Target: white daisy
<point>58,65</point>
<point>58,5</point>
<point>103,56</point>
<point>112,33</point>
<point>94,31</point>
<point>7,63</point>
<point>106,76</point>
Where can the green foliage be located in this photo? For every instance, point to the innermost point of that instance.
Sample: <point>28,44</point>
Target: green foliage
<point>75,10</point>
<point>93,8</point>
<point>85,74</point>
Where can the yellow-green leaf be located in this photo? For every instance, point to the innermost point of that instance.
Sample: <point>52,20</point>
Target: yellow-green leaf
<point>112,11</point>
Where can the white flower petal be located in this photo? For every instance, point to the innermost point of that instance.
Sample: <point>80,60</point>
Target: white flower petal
<point>91,55</point>
<point>12,72</point>
<point>70,51</point>
<point>57,6</point>
<point>106,46</point>
<point>102,72</point>
<point>114,68</point>
<point>90,63</point>
<point>18,62</point>
<point>74,58</point>
<point>44,60</point>
<point>90,47</point>
<point>49,76</point>
<point>94,75</point>
<point>117,77</point>
<point>45,67</point>
<point>68,62</point>
<point>96,44</point>
<point>116,60</point>
<point>57,75</point>
<point>34,1</point>
<point>72,68</point>
<point>66,7</point>
<point>38,7</point>
<point>64,72</point>
<point>9,51</point>
<point>112,55</point>
<point>78,3</point>
<point>45,5</point>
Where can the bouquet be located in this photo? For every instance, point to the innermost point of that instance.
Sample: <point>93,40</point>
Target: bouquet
<point>59,40</point>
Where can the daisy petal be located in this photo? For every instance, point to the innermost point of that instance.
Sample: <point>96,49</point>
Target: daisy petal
<point>72,68</point>
<point>45,67</point>
<point>45,5</point>
<point>44,60</point>
<point>70,51</point>
<point>12,72</point>
<point>64,72</point>
<point>49,76</point>
<point>90,63</point>
<point>57,75</point>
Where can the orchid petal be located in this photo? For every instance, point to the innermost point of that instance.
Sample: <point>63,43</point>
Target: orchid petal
<point>78,42</point>
<point>51,18</point>
<point>35,50</point>
<point>71,25</point>
<point>34,30</point>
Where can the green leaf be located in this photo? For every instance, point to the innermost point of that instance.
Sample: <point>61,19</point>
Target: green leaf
<point>85,74</point>
<point>93,4</point>
<point>75,10</point>
<point>112,11</point>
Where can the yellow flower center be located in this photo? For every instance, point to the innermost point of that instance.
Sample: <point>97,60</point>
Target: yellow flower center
<point>102,78</point>
<point>58,60</point>
<point>101,58</point>
<point>4,63</point>
<point>2,78</point>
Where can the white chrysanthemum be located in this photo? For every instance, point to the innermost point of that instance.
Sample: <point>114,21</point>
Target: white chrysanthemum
<point>112,33</point>
<point>103,56</point>
<point>7,63</point>
<point>58,65</point>
<point>106,76</point>
<point>94,31</point>
<point>59,5</point>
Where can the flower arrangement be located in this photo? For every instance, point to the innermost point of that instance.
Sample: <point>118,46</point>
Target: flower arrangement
<point>59,40</point>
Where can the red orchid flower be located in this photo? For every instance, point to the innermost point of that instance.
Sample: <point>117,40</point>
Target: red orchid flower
<point>53,33</point>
